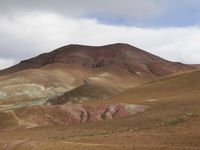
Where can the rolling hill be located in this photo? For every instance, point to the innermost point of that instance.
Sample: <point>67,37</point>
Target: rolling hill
<point>170,122</point>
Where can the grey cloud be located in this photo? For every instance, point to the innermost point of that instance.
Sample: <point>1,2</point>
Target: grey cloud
<point>154,13</point>
<point>77,8</point>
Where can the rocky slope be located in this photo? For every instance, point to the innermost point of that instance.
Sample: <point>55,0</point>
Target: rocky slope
<point>41,116</point>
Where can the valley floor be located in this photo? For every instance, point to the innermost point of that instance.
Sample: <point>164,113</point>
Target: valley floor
<point>163,126</point>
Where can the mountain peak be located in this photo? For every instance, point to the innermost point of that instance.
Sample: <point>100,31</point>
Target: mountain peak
<point>120,55</point>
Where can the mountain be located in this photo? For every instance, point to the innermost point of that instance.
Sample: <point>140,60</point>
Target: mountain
<point>106,97</point>
<point>77,69</point>
<point>136,61</point>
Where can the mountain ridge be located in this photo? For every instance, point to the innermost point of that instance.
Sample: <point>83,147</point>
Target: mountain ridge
<point>122,55</point>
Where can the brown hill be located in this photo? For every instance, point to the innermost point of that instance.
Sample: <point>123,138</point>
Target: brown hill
<point>133,59</point>
<point>107,70</point>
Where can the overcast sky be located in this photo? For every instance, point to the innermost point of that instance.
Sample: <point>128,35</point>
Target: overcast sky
<point>168,28</point>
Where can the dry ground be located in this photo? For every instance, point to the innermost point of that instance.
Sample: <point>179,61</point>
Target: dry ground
<point>171,123</point>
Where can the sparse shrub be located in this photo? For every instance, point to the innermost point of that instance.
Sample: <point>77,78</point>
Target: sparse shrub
<point>177,120</point>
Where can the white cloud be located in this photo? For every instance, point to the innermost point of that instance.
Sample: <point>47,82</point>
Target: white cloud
<point>4,63</point>
<point>26,35</point>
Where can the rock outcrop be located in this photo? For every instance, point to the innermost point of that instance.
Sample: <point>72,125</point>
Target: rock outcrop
<point>67,114</point>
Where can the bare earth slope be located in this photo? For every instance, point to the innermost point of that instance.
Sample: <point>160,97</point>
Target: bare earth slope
<point>171,122</point>
<point>178,85</point>
<point>41,83</point>
<point>99,87</point>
